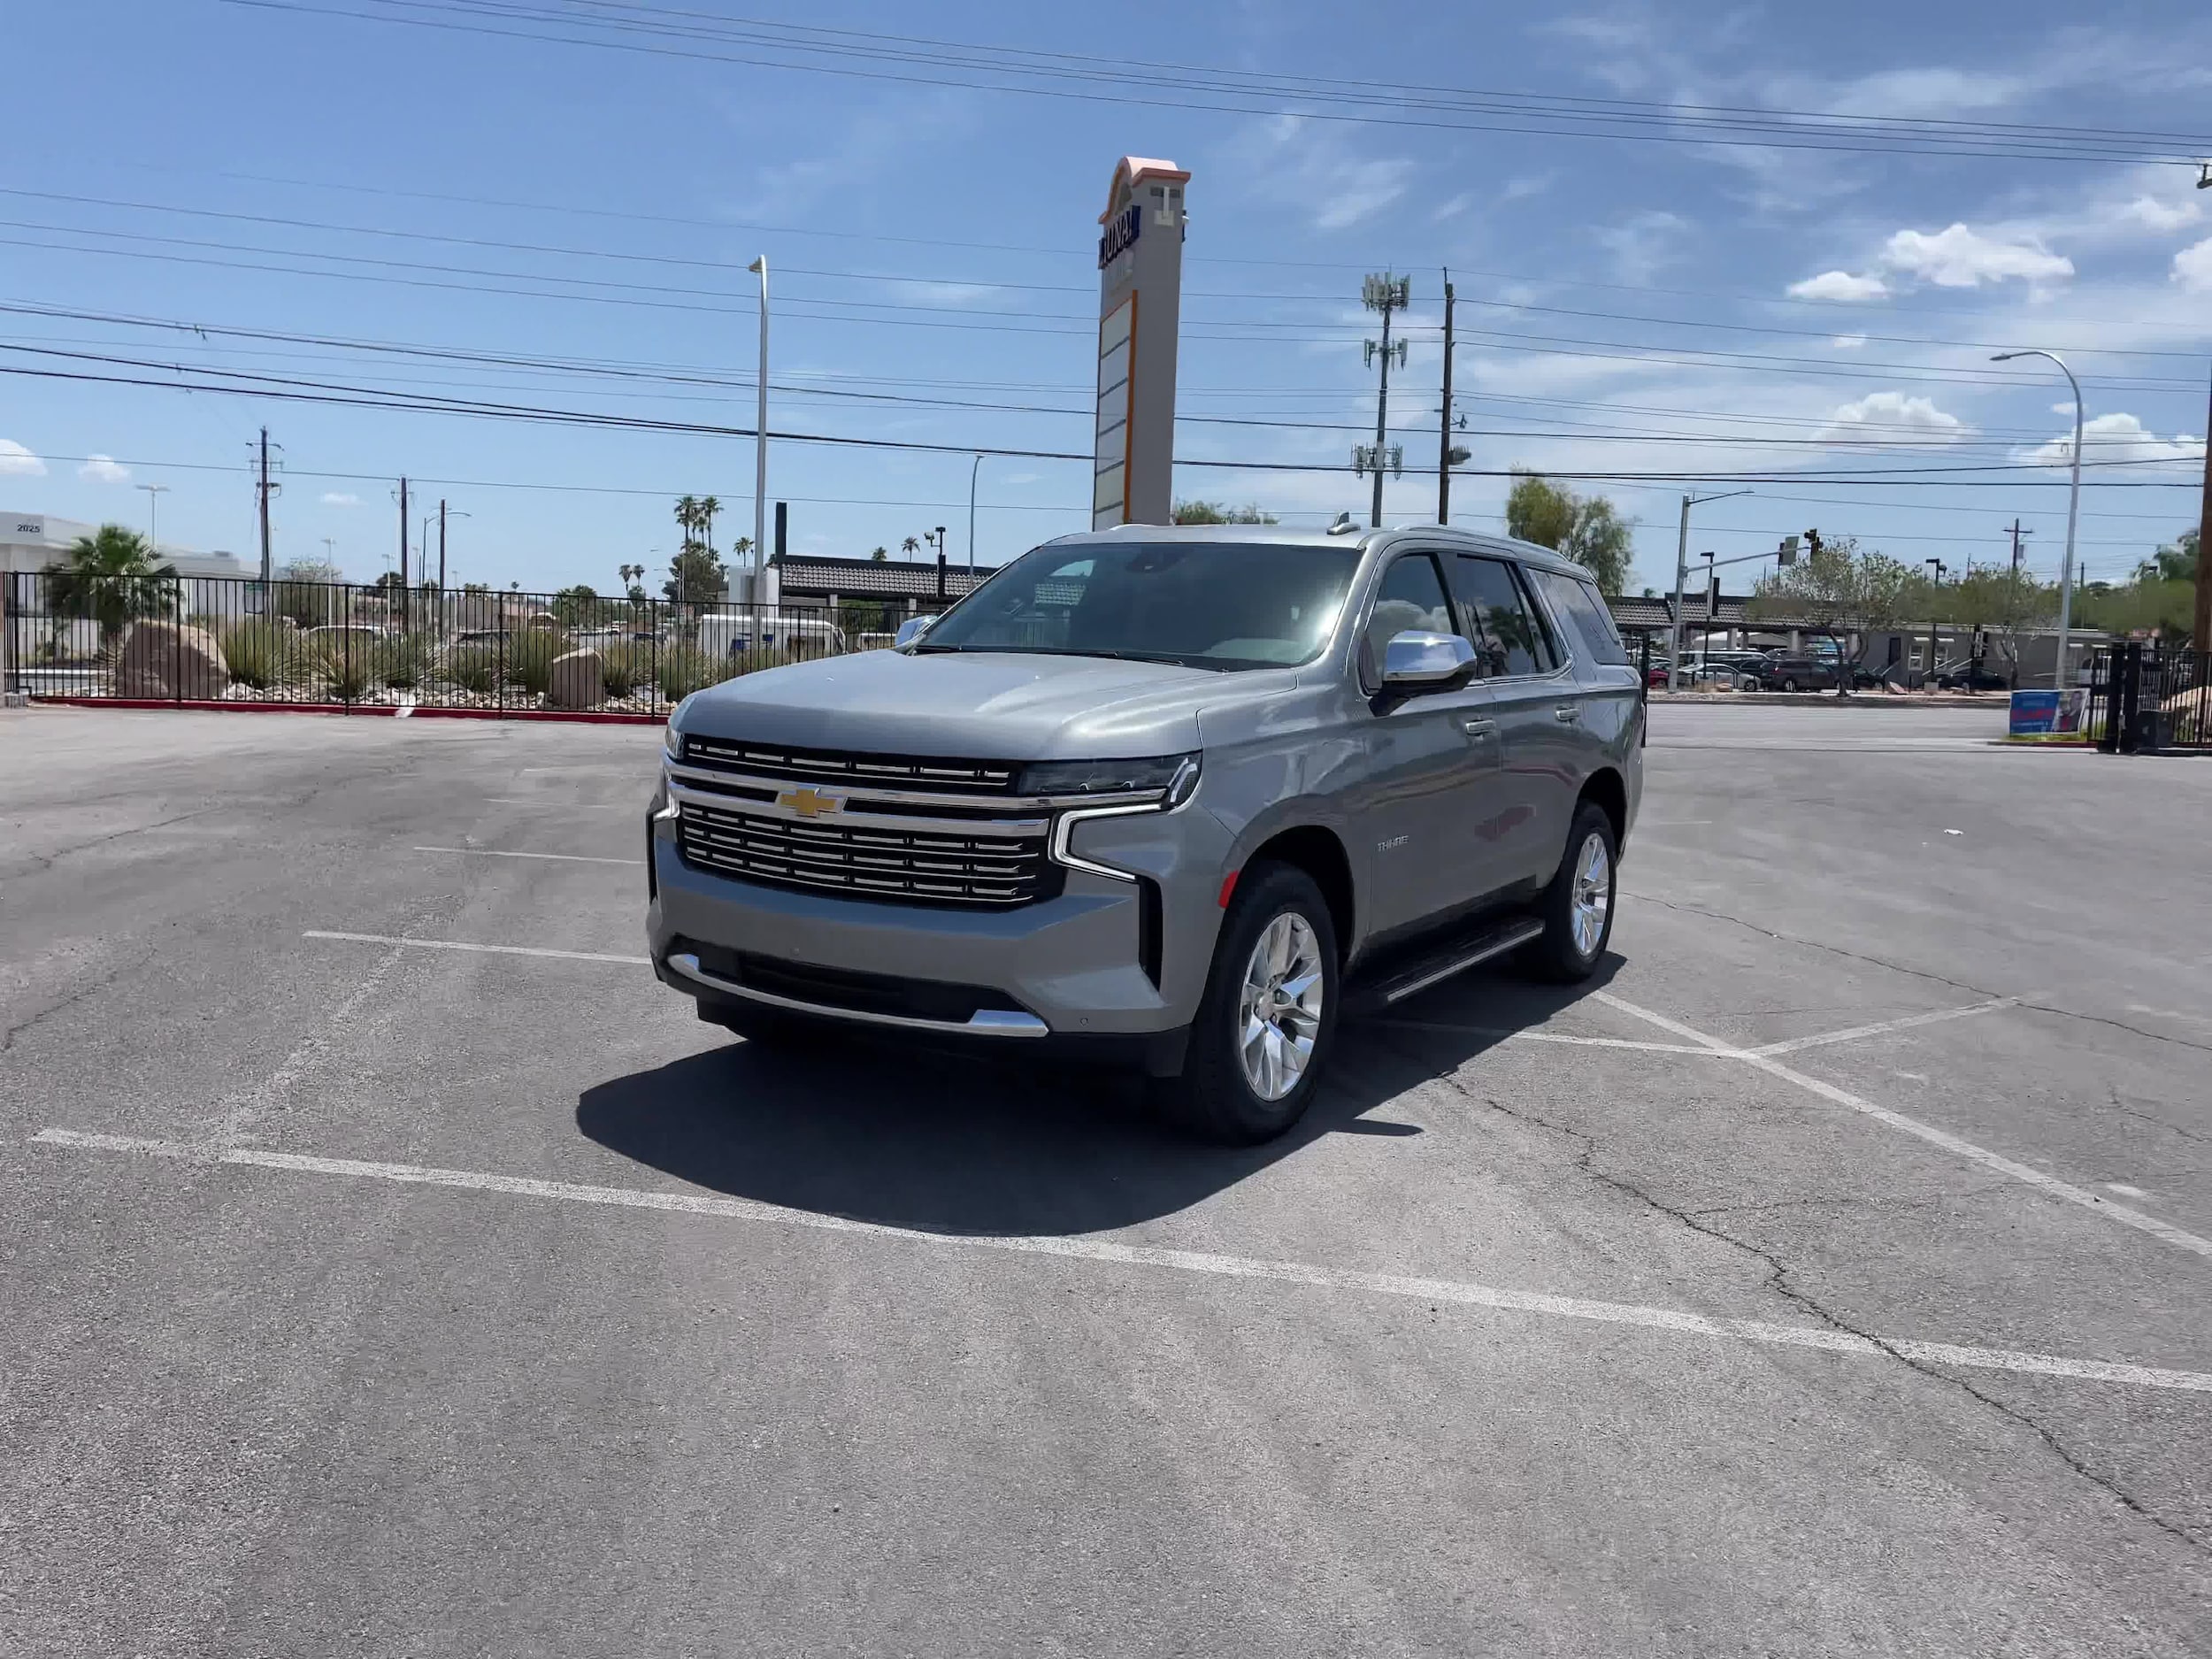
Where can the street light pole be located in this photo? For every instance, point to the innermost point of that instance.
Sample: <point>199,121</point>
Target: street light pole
<point>2073,514</point>
<point>1681,576</point>
<point>154,493</point>
<point>973,471</point>
<point>760,436</point>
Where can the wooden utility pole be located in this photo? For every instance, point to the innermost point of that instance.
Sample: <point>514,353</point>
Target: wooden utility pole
<point>262,491</point>
<point>2200,622</point>
<point>1444,422</point>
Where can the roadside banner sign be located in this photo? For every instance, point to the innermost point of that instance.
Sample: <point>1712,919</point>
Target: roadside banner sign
<point>2048,713</point>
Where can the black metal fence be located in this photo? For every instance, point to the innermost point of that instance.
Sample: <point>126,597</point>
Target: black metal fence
<point>2146,698</point>
<point>229,640</point>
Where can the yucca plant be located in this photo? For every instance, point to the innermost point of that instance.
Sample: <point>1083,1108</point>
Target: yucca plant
<point>400,663</point>
<point>474,668</point>
<point>685,669</point>
<point>348,676</point>
<point>530,656</point>
<point>261,654</point>
<point>620,669</point>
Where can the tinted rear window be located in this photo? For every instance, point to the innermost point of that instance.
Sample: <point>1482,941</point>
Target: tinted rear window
<point>1584,614</point>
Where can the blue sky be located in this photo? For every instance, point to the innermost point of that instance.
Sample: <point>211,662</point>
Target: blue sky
<point>365,179</point>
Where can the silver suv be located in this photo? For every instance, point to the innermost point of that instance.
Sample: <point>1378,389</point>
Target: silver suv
<point>1179,797</point>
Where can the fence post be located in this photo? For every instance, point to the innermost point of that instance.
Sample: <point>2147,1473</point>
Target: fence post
<point>8,681</point>
<point>176,644</point>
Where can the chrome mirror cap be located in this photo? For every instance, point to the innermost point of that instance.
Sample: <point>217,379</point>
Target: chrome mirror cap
<point>909,631</point>
<point>1418,660</point>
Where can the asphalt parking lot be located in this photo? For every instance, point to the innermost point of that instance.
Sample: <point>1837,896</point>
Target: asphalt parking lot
<point>392,1267</point>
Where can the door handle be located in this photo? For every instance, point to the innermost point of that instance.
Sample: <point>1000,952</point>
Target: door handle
<point>1568,713</point>
<point>1479,728</point>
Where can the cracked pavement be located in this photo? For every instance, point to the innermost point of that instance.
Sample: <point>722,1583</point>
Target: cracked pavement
<point>266,1411</point>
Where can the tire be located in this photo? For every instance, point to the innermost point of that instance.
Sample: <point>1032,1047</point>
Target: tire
<point>1570,947</point>
<point>1789,684</point>
<point>1219,1096</point>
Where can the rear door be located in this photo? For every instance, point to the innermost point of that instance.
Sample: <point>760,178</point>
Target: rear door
<point>1533,696</point>
<point>1434,764</point>
<point>1605,682</point>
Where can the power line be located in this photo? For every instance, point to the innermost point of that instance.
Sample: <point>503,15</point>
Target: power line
<point>919,60</point>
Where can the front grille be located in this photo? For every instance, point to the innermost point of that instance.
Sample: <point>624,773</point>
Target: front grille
<point>820,765</point>
<point>953,1004</point>
<point>901,865</point>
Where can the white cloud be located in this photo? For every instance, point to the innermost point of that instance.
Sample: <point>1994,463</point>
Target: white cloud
<point>2118,437</point>
<point>1525,186</point>
<point>1314,168</point>
<point>1895,416</point>
<point>1959,258</point>
<point>339,498</point>
<point>2153,214</point>
<point>104,469</point>
<point>952,292</point>
<point>1848,342</point>
<point>1937,92</point>
<point>1840,285</point>
<point>18,462</point>
<point>2193,267</point>
<point>1454,208</point>
<point>1643,244</point>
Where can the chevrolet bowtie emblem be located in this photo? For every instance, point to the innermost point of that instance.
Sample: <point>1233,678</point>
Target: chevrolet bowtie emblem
<point>809,803</point>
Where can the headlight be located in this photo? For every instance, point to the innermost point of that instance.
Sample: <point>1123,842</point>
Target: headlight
<point>1175,776</point>
<point>671,739</point>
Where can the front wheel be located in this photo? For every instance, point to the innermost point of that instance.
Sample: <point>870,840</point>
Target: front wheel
<point>1268,1019</point>
<point>1577,908</point>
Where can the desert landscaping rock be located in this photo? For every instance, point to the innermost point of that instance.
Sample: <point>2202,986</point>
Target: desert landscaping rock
<point>578,682</point>
<point>168,659</point>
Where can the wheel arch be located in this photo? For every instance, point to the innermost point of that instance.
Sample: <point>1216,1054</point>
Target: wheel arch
<point>1320,852</point>
<point>1608,789</point>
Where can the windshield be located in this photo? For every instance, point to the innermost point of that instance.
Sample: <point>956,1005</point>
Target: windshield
<point>1206,604</point>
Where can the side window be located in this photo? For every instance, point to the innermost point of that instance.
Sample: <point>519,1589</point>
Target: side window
<point>1577,606</point>
<point>1411,596</point>
<point>1511,637</point>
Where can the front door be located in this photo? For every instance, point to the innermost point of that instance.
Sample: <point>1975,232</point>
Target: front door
<point>1433,764</point>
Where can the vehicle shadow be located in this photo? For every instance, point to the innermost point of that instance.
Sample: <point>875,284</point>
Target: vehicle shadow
<point>950,1143</point>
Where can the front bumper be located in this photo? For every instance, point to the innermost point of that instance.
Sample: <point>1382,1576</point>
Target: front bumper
<point>1076,964</point>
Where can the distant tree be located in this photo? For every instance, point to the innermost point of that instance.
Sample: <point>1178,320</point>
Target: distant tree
<point>110,577</point>
<point>313,592</point>
<point>1586,528</point>
<point>2176,562</point>
<point>1841,594</point>
<point>389,581</point>
<point>708,507</point>
<point>1217,512</point>
<point>695,577</point>
<point>580,607</point>
<point>475,587</point>
<point>880,555</point>
<point>910,546</point>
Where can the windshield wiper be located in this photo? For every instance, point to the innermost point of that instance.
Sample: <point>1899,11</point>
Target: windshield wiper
<point>1057,650</point>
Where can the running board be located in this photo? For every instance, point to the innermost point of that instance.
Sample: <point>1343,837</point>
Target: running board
<point>1456,956</point>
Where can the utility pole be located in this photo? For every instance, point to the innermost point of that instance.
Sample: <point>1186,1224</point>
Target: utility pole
<point>261,495</point>
<point>2200,620</point>
<point>1935,598</point>
<point>1681,577</point>
<point>441,544</point>
<point>403,546</point>
<point>1444,424</point>
<point>1387,294</point>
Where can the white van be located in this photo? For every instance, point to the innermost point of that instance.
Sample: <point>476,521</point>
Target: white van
<point>726,633</point>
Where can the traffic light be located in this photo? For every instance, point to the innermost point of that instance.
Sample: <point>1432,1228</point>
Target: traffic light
<point>1813,548</point>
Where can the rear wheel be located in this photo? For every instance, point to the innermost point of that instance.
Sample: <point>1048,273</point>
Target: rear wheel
<point>1577,908</point>
<point>1268,1019</point>
<point>1789,684</point>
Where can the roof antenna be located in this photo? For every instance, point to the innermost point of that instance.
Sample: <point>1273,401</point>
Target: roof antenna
<point>1343,525</point>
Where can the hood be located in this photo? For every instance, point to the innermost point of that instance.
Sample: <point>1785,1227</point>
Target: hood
<point>972,706</point>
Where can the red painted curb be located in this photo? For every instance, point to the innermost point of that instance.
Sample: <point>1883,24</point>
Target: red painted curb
<point>577,718</point>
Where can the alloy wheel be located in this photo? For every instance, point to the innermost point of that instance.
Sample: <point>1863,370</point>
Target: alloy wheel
<point>1593,896</point>
<point>1279,1006</point>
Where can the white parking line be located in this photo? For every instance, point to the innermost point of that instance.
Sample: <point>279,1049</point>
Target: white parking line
<point>1549,1036</point>
<point>1929,1132</point>
<point>1432,1290</point>
<point>1880,1026</point>
<point>492,951</point>
<point>564,858</point>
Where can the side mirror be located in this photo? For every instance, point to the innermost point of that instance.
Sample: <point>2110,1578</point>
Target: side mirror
<point>909,631</point>
<point>1417,661</point>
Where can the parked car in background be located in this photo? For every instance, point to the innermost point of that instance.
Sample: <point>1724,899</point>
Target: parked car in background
<point>1795,673</point>
<point>1656,676</point>
<point>339,635</point>
<point>1971,677</point>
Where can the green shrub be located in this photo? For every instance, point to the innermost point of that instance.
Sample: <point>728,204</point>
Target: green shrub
<point>685,669</point>
<point>262,655</point>
<point>348,676</point>
<point>473,667</point>
<point>620,668</point>
<point>400,663</point>
<point>530,655</point>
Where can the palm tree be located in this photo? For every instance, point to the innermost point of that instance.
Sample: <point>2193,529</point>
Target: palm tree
<point>708,505</point>
<point>687,516</point>
<point>910,547</point>
<point>111,578</point>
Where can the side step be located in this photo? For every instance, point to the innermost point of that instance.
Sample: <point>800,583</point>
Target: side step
<point>1455,955</point>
